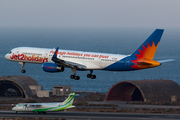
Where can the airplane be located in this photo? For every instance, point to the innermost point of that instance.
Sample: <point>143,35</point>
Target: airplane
<point>45,107</point>
<point>56,60</point>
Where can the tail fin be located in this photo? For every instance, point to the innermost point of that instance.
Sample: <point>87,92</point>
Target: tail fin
<point>69,100</point>
<point>68,103</point>
<point>148,49</point>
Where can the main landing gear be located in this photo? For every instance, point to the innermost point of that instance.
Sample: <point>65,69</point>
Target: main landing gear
<point>39,112</point>
<point>74,76</point>
<point>22,66</point>
<point>77,77</point>
<point>90,75</point>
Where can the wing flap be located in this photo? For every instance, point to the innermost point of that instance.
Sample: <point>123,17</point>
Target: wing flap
<point>77,65</point>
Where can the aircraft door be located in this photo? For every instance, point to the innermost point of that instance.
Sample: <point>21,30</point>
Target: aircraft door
<point>46,54</point>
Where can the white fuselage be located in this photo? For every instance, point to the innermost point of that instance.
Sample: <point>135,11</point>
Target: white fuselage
<point>91,60</point>
<point>46,107</point>
<point>33,106</point>
<point>56,60</point>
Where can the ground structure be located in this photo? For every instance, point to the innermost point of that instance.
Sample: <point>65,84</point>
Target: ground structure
<point>16,86</point>
<point>144,90</point>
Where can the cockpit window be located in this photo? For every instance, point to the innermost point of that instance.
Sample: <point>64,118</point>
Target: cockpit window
<point>10,52</point>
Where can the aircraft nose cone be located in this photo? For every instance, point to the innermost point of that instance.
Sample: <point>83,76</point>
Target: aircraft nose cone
<point>14,108</point>
<point>7,56</point>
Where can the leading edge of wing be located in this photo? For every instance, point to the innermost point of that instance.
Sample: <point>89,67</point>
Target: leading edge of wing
<point>66,63</point>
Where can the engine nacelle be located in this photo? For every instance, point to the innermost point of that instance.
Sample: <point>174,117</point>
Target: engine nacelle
<point>51,67</point>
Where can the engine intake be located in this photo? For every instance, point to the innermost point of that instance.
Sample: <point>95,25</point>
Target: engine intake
<point>51,67</point>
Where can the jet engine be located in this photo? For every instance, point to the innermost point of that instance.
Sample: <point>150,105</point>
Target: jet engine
<point>51,67</point>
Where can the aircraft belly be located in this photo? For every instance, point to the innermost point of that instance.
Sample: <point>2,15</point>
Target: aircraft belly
<point>92,65</point>
<point>24,109</point>
<point>80,62</point>
<point>119,66</point>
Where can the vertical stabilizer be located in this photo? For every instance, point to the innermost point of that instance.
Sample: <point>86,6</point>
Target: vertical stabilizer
<point>68,103</point>
<point>69,100</point>
<point>148,49</point>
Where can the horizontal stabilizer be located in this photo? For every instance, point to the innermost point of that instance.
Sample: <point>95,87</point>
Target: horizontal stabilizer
<point>163,61</point>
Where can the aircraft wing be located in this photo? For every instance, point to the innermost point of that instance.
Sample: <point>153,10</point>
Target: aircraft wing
<point>76,65</point>
<point>34,105</point>
<point>66,63</point>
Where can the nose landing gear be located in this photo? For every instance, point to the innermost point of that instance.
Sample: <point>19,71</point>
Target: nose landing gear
<point>22,66</point>
<point>23,71</point>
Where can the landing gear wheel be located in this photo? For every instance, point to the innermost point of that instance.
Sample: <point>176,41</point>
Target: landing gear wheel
<point>23,71</point>
<point>44,112</point>
<point>76,77</point>
<point>22,66</point>
<point>72,76</point>
<point>93,76</point>
<point>88,75</point>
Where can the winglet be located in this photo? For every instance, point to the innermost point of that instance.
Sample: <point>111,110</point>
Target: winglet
<point>54,58</point>
<point>55,53</point>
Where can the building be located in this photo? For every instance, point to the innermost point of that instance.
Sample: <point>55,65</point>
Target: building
<point>25,86</point>
<point>43,93</point>
<point>61,90</point>
<point>144,90</point>
<point>16,86</point>
<point>35,88</point>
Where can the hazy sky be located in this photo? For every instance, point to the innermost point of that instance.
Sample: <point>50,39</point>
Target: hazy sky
<point>90,13</point>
